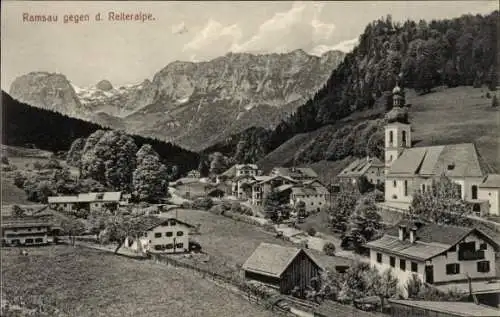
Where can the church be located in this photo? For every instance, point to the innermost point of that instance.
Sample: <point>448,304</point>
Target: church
<point>408,169</point>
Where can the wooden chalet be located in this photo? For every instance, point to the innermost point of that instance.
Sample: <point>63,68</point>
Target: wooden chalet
<point>283,268</point>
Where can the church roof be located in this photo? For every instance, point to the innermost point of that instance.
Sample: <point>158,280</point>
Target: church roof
<point>454,160</point>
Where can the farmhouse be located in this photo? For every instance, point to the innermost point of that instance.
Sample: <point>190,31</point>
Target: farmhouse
<point>437,254</point>
<point>417,308</point>
<point>489,191</point>
<point>88,201</point>
<point>34,228</point>
<point>283,268</point>
<point>370,167</point>
<point>160,235</point>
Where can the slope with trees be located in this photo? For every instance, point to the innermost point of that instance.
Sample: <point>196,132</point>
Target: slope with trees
<point>26,125</point>
<point>453,52</point>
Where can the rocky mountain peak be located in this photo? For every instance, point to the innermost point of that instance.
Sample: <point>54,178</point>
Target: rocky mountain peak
<point>104,85</point>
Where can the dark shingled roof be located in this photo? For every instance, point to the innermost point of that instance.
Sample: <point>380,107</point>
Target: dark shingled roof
<point>432,232</point>
<point>432,239</point>
<point>359,167</point>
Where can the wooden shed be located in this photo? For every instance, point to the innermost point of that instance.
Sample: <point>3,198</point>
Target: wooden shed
<point>283,268</point>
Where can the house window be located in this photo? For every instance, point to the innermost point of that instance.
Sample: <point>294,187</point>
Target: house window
<point>158,235</point>
<point>180,233</point>
<point>483,246</point>
<point>29,229</point>
<point>404,138</point>
<point>391,137</point>
<point>169,246</point>
<point>169,234</point>
<point>453,248</point>
<point>423,187</point>
<point>394,184</point>
<point>483,266</point>
<point>29,241</point>
<point>414,267</point>
<point>158,247</point>
<point>402,264</point>
<point>392,261</point>
<point>379,257</point>
<point>474,191</point>
<point>406,187</point>
<point>179,246</point>
<point>39,240</point>
<point>452,269</point>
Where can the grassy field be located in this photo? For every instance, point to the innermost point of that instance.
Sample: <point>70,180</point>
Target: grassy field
<point>232,242</point>
<point>83,282</point>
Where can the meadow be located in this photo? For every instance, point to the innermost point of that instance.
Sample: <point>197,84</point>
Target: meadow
<point>229,243</point>
<point>84,282</point>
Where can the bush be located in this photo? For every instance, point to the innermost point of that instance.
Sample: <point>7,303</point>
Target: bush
<point>311,232</point>
<point>19,180</point>
<point>203,203</point>
<point>187,205</point>
<point>329,249</point>
<point>53,164</point>
<point>494,101</point>
<point>5,160</point>
<point>37,165</point>
<point>488,95</point>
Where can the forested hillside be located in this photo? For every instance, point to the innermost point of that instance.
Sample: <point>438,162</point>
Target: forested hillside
<point>26,125</point>
<point>423,55</point>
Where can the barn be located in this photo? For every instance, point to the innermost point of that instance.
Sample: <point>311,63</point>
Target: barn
<point>283,268</point>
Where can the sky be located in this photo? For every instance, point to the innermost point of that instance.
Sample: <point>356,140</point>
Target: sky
<point>127,52</point>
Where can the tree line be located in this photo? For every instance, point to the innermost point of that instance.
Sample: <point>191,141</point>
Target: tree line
<point>24,125</point>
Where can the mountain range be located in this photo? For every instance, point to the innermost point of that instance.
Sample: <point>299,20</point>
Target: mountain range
<point>194,105</point>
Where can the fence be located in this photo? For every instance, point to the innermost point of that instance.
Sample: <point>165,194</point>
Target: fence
<point>252,293</point>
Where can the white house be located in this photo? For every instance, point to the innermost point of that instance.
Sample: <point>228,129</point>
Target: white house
<point>410,169</point>
<point>264,184</point>
<point>437,254</point>
<point>312,193</point>
<point>160,235</point>
<point>370,167</point>
<point>490,190</point>
<point>89,201</point>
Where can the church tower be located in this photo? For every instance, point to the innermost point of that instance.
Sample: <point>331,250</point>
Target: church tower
<point>397,130</point>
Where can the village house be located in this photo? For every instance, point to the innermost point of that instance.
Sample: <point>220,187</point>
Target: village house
<point>295,173</point>
<point>283,268</point>
<point>312,193</point>
<point>87,201</point>
<point>160,235</point>
<point>418,308</point>
<point>489,191</point>
<point>437,254</point>
<point>370,167</point>
<point>193,174</point>
<point>410,169</point>
<point>263,185</point>
<point>29,229</point>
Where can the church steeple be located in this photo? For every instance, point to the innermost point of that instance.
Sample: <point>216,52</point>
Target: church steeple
<point>397,129</point>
